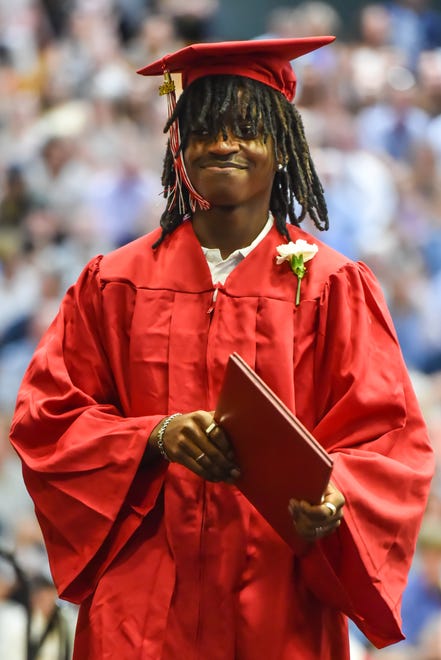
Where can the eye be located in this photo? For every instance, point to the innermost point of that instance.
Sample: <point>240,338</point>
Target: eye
<point>200,131</point>
<point>248,131</point>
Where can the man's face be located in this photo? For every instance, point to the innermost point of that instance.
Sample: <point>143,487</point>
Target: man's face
<point>231,169</point>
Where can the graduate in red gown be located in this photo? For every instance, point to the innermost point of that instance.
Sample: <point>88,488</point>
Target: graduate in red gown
<point>134,486</point>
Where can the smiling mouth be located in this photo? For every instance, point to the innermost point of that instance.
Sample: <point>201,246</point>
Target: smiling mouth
<point>223,165</point>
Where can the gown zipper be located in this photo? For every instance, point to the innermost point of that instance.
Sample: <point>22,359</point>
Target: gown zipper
<point>201,564</point>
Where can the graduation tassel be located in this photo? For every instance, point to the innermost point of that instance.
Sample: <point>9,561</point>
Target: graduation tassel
<point>175,193</point>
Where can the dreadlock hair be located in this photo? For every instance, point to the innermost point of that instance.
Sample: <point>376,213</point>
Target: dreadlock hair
<point>213,103</point>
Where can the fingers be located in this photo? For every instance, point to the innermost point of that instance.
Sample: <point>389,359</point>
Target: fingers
<point>333,496</point>
<point>196,442</point>
<point>317,521</point>
<point>218,438</point>
<point>216,459</point>
<point>332,508</point>
<point>312,522</point>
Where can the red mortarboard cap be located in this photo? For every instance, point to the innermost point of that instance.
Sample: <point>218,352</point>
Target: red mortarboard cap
<point>265,60</point>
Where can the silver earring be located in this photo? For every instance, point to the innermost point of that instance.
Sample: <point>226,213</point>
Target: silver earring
<point>281,166</point>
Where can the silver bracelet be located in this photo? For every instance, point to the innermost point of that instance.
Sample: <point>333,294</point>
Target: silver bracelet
<point>160,436</point>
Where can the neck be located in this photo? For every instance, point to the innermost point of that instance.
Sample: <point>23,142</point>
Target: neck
<point>228,229</point>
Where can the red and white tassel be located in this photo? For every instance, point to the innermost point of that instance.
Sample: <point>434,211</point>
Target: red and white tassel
<point>175,193</point>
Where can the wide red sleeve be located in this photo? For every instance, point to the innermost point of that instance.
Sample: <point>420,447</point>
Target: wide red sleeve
<point>370,422</point>
<point>81,456</point>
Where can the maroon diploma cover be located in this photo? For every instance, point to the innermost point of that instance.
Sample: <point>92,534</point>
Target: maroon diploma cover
<point>279,459</point>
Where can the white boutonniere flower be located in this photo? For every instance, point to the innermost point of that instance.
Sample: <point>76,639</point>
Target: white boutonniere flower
<point>297,254</point>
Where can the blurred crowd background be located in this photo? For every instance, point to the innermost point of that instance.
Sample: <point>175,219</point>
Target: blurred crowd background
<point>81,151</point>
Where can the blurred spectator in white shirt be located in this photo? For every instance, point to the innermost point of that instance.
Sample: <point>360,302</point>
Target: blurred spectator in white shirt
<point>396,125</point>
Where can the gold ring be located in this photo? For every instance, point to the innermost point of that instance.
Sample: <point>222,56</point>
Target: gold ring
<point>210,428</point>
<point>332,508</point>
<point>200,457</point>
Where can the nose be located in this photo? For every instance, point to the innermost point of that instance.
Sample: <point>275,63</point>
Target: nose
<point>224,142</point>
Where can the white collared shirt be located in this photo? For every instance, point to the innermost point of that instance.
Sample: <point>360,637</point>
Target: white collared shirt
<point>221,268</point>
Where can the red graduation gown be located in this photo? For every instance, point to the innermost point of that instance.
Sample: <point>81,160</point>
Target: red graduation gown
<point>164,564</point>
